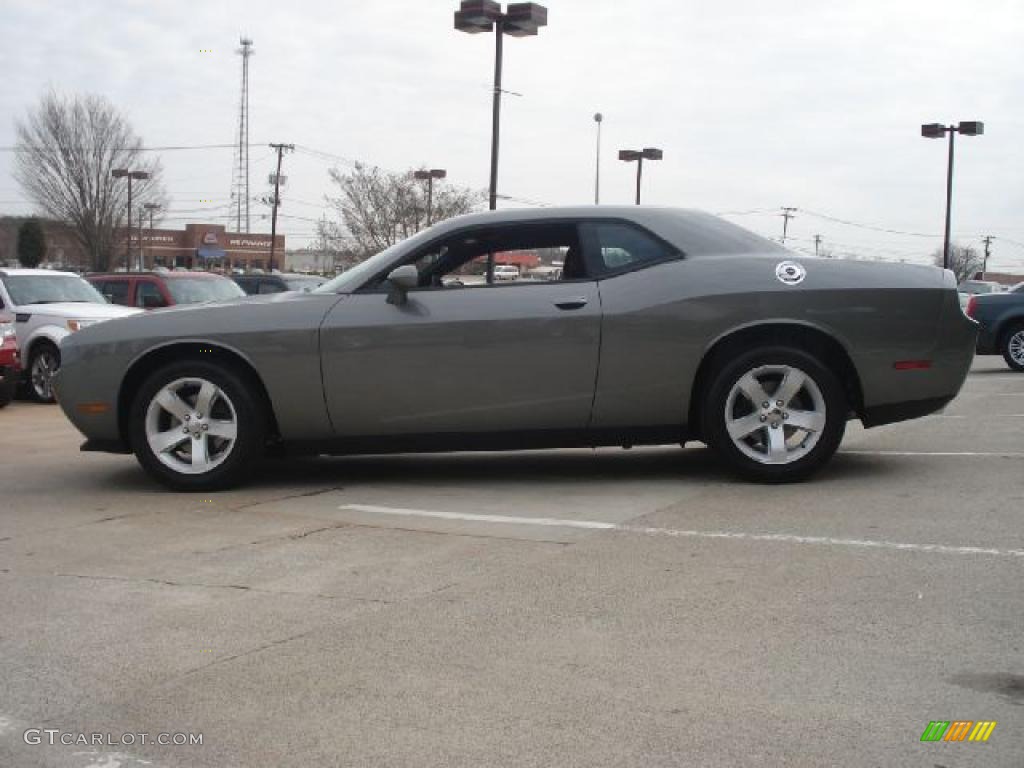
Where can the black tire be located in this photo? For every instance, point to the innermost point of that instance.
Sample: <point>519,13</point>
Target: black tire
<point>714,421</point>
<point>8,385</point>
<point>1012,346</point>
<point>43,362</point>
<point>250,423</point>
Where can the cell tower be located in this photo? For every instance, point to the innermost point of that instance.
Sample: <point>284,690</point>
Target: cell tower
<point>240,167</point>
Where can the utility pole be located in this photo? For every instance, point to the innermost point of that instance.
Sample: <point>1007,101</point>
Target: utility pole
<point>151,207</point>
<point>987,239</point>
<point>277,189</point>
<point>142,256</point>
<point>787,214</point>
<point>598,118</point>
<point>817,243</point>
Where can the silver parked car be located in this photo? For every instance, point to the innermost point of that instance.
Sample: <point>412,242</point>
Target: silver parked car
<point>665,326</point>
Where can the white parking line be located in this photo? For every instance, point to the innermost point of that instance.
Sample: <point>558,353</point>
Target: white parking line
<point>943,549</point>
<point>995,454</point>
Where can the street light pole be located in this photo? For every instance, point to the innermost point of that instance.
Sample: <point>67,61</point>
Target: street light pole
<point>949,203</point>
<point>598,118</point>
<point>638,156</point>
<point>937,131</point>
<point>429,176</point>
<point>121,173</point>
<point>499,36</point>
<point>521,20</point>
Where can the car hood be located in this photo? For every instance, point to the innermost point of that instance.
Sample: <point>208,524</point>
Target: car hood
<point>213,320</point>
<point>79,310</point>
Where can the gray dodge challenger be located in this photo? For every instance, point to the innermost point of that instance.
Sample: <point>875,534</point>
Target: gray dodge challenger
<point>662,326</point>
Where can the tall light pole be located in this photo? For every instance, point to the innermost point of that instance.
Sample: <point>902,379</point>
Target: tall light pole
<point>598,118</point>
<point>151,207</point>
<point>937,131</point>
<point>429,176</point>
<point>124,173</point>
<point>521,20</point>
<point>647,153</point>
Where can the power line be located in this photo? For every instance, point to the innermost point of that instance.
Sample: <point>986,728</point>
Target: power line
<point>872,227</point>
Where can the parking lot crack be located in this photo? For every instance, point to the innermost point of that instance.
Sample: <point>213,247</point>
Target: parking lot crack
<point>270,539</point>
<point>235,587</point>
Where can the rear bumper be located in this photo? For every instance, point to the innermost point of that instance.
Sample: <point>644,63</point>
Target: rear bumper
<point>893,412</point>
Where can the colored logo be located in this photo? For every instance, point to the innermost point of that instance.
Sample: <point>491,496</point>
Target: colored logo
<point>210,238</point>
<point>790,273</point>
<point>958,730</point>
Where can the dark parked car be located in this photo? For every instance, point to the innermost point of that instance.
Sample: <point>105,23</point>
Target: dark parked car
<point>152,290</point>
<point>1001,317</point>
<point>666,326</point>
<point>277,283</point>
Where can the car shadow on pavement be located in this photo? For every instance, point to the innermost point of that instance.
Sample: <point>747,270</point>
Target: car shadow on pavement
<point>664,464</point>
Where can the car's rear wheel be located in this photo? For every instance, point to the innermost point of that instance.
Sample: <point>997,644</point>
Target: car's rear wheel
<point>195,427</point>
<point>1013,347</point>
<point>43,363</point>
<point>774,415</point>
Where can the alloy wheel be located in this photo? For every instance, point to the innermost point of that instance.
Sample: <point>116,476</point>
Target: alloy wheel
<point>775,414</point>
<point>44,365</point>
<point>191,426</point>
<point>1015,347</point>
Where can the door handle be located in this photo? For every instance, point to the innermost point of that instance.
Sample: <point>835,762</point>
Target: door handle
<point>576,303</point>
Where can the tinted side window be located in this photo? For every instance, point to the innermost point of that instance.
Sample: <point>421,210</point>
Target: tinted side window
<point>148,296</point>
<point>623,247</point>
<point>247,284</point>
<point>270,286</point>
<point>520,253</point>
<point>115,291</point>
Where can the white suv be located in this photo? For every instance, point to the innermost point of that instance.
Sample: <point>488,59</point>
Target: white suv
<point>47,306</point>
<point>506,272</point>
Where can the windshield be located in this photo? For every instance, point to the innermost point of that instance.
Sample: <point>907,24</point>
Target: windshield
<point>196,290</point>
<point>50,289</point>
<point>303,283</point>
<point>977,287</point>
<point>1018,288</point>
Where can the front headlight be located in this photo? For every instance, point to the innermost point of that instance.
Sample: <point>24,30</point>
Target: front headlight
<point>77,325</point>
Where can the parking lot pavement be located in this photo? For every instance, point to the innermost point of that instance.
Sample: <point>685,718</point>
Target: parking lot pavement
<point>591,608</point>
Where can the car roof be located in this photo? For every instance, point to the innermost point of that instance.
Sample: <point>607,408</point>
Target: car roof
<point>637,213</point>
<point>12,271</point>
<point>161,275</point>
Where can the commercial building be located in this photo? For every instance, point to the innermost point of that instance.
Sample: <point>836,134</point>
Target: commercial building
<point>202,246</point>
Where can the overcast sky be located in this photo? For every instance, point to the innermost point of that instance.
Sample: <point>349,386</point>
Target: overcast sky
<point>757,105</point>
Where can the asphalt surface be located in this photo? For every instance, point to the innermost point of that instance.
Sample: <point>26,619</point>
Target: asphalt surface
<point>559,608</point>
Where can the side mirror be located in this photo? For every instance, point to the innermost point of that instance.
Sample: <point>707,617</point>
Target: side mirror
<point>400,281</point>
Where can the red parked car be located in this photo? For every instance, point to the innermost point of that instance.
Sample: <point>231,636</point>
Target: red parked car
<point>151,290</point>
<point>10,364</point>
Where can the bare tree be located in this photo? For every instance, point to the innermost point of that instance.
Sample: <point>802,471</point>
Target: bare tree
<point>66,150</point>
<point>379,208</point>
<point>964,261</point>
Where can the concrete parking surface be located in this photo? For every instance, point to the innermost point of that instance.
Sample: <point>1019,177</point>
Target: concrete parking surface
<point>557,608</point>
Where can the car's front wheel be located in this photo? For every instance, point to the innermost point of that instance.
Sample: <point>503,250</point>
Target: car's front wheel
<point>43,363</point>
<point>195,426</point>
<point>774,415</point>
<point>1013,347</point>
